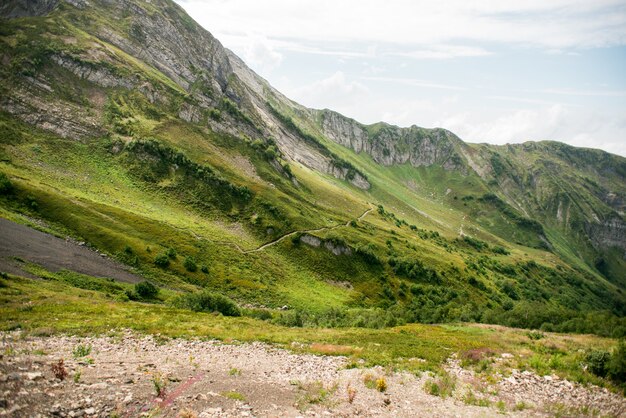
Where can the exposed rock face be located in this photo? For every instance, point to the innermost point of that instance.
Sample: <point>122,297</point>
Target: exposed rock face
<point>311,240</point>
<point>389,145</point>
<point>333,247</point>
<point>607,234</point>
<point>16,8</point>
<point>337,249</point>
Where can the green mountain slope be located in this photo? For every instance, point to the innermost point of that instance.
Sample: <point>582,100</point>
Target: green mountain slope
<point>128,126</point>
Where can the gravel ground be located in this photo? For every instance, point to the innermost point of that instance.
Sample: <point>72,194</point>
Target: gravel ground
<point>212,379</point>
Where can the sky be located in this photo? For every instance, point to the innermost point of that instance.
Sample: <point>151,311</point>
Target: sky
<point>496,71</point>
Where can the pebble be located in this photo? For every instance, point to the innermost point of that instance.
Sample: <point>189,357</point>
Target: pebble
<point>265,369</point>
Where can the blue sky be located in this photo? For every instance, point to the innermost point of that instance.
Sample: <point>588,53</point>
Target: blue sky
<point>492,71</point>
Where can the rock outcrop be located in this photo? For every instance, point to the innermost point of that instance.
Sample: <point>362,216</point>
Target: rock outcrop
<point>390,145</point>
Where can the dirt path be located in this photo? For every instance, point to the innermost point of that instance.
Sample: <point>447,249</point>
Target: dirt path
<point>210,379</point>
<point>54,254</point>
<point>329,228</point>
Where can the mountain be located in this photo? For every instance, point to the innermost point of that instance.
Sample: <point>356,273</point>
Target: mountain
<point>127,126</point>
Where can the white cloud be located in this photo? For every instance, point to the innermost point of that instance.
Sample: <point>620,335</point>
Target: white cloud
<point>444,52</point>
<point>574,126</point>
<point>555,24</point>
<point>335,91</point>
<point>260,55</point>
<point>414,82</point>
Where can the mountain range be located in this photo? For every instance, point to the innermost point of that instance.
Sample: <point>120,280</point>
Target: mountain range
<point>126,125</point>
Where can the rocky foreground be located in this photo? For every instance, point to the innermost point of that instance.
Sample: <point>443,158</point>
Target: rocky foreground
<point>127,375</point>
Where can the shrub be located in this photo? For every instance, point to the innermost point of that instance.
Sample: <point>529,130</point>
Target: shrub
<point>498,249</point>
<point>6,187</point>
<point>146,290</point>
<point>171,253</point>
<point>215,114</point>
<point>162,260</point>
<point>597,361</point>
<point>190,264</point>
<point>616,366</point>
<point>207,302</point>
<point>474,242</point>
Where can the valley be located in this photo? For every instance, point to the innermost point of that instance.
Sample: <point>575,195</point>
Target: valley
<point>154,186</point>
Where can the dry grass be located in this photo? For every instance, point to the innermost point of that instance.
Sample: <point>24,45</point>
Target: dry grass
<point>334,350</point>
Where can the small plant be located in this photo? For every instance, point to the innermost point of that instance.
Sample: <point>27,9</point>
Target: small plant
<point>351,393</point>
<point>58,370</point>
<point>171,253</point>
<point>187,413</point>
<point>314,393</point>
<point>159,381</point>
<point>520,406</point>
<point>501,405</point>
<point>204,269</point>
<point>443,386</point>
<point>234,395</point>
<point>81,351</point>
<point>535,335</point>
<point>77,375</point>
<point>381,384</point>
<point>190,264</point>
<point>470,399</point>
<point>432,388</point>
<point>369,381</point>
<point>234,372</point>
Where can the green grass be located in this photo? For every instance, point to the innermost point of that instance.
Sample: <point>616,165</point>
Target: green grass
<point>55,306</point>
<point>150,182</point>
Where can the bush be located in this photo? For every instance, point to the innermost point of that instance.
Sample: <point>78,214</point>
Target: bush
<point>162,260</point>
<point>6,187</point>
<point>215,114</point>
<point>146,290</point>
<point>190,264</point>
<point>597,361</point>
<point>207,302</point>
<point>498,249</point>
<point>171,253</point>
<point>616,367</point>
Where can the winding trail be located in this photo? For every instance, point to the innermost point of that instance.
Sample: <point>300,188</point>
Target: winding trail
<point>327,228</point>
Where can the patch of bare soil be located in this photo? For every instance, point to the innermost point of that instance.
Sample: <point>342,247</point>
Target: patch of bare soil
<point>19,242</point>
<point>126,375</point>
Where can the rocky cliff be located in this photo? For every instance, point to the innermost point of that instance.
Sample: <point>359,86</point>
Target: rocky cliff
<point>389,145</point>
